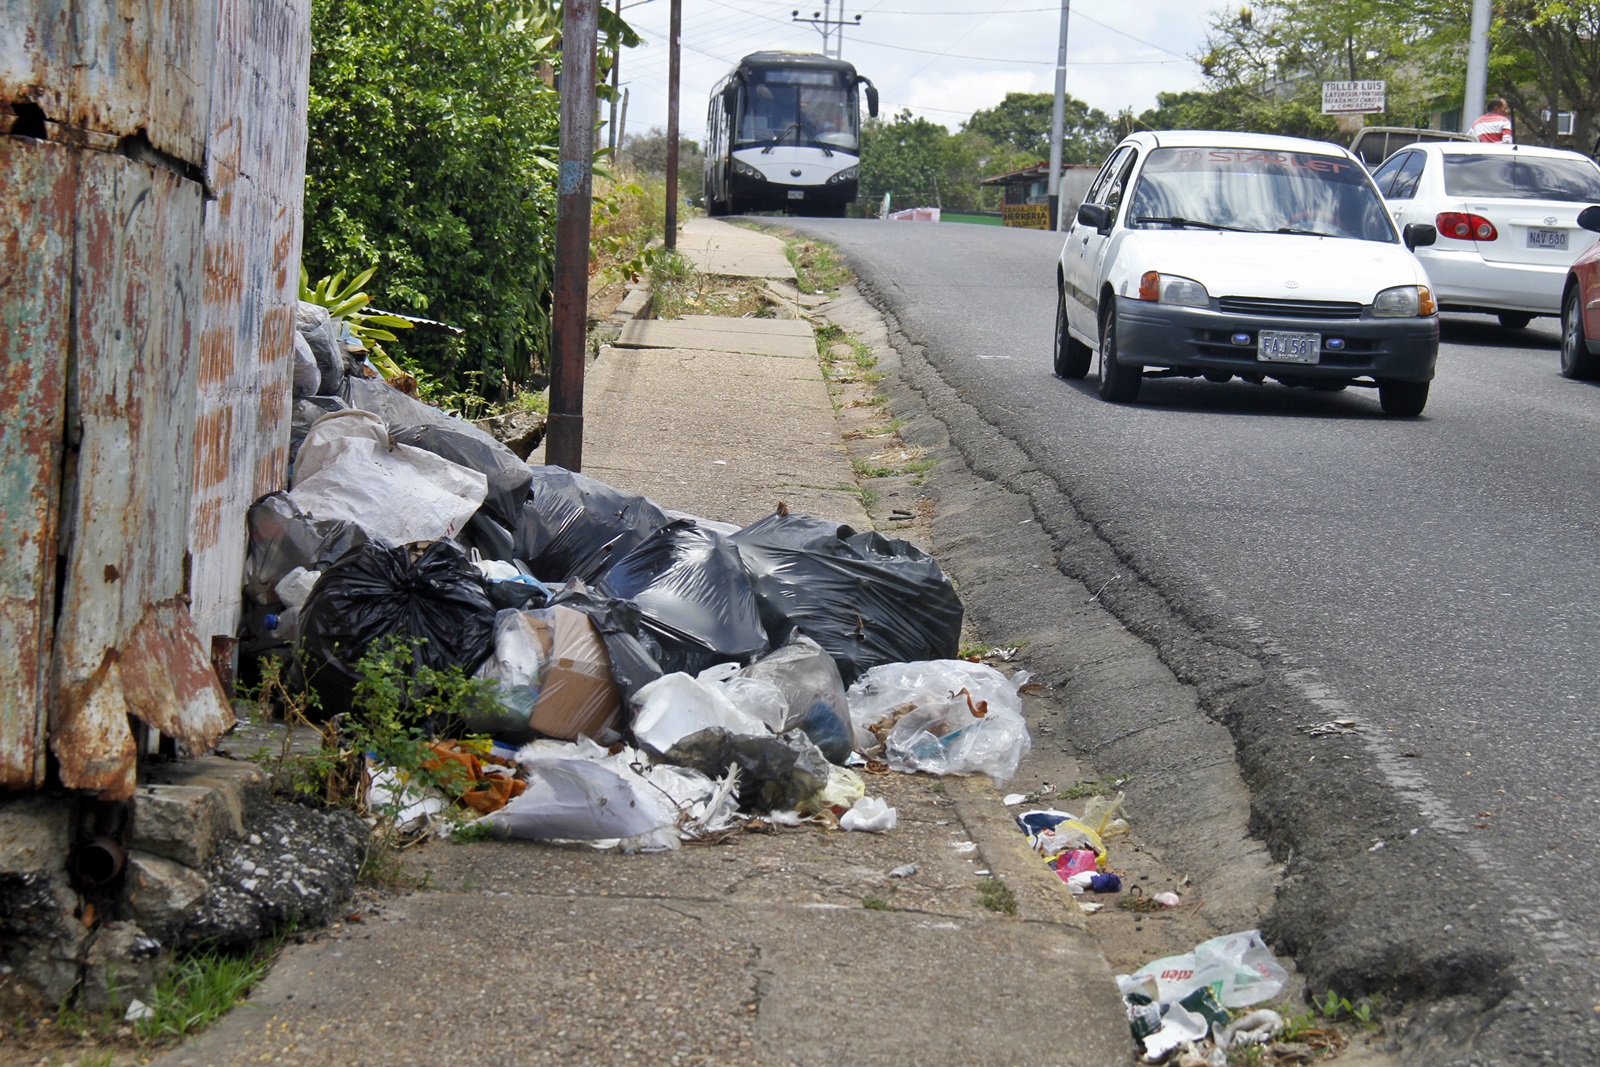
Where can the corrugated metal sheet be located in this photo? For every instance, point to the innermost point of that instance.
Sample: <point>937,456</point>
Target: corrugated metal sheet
<point>118,68</point>
<point>130,410</point>
<point>35,304</point>
<point>256,170</point>
<point>177,316</point>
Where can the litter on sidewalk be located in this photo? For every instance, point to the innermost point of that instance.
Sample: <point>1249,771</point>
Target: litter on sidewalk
<point>657,677</point>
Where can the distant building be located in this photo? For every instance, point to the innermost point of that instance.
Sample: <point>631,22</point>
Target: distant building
<point>1027,196</point>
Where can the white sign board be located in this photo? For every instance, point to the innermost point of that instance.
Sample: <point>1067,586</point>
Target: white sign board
<point>1352,98</point>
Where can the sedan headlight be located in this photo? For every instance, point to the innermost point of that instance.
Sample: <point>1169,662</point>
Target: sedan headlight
<point>1173,289</point>
<point>1405,302</point>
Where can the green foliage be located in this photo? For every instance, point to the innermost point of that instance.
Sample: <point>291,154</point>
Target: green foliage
<point>996,896</point>
<point>200,987</point>
<point>1336,1008</point>
<point>872,903</point>
<point>346,303</point>
<point>818,267</point>
<point>432,149</point>
<point>646,154</point>
<point>905,157</point>
<point>1022,122</point>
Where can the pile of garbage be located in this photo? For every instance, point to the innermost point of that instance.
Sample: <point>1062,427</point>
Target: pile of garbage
<point>655,673</point>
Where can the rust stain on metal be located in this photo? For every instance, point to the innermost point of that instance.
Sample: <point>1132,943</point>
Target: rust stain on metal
<point>168,680</point>
<point>35,278</point>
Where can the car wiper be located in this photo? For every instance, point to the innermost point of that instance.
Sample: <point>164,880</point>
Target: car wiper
<point>1305,233</point>
<point>1181,223</point>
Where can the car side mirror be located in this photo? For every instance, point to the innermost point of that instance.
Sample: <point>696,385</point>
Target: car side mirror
<point>1419,234</point>
<point>1096,215</point>
<point>1589,218</point>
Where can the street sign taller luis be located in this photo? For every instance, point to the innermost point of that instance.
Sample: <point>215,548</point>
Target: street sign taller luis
<point>1352,98</point>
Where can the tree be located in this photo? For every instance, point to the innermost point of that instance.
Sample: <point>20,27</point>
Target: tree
<point>646,154</point>
<point>1023,121</point>
<point>432,141</point>
<point>1545,56</point>
<point>904,157</point>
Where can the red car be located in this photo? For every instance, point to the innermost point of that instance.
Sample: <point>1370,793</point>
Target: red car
<point>1580,309</point>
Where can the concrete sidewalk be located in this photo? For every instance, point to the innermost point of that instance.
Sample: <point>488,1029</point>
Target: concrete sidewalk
<point>801,946</point>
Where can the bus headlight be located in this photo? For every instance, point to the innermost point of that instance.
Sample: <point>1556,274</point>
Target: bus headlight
<point>745,170</point>
<point>849,174</point>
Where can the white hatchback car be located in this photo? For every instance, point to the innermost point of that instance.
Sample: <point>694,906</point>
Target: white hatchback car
<point>1507,219</point>
<point>1208,254</point>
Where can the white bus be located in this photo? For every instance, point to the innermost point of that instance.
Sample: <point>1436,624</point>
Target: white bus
<point>783,133</point>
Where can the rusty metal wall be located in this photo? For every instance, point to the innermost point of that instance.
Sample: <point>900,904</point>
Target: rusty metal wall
<point>144,358</point>
<point>255,167</point>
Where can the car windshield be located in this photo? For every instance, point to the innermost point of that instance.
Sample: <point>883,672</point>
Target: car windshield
<point>1256,190</point>
<point>1522,178</point>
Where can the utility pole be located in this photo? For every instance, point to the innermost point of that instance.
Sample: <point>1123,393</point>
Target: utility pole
<point>1477,64</point>
<point>828,26</point>
<point>574,186</point>
<point>616,67</point>
<point>1058,112</point>
<point>673,35</point>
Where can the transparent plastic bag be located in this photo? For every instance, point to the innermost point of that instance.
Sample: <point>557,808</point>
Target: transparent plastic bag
<point>1238,968</point>
<point>941,717</point>
<point>813,692</point>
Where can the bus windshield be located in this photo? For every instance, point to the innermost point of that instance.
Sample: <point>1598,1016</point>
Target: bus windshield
<point>789,105</point>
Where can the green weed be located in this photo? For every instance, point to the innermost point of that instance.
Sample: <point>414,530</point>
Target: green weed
<point>872,903</point>
<point>997,897</point>
<point>200,987</point>
<point>818,268</point>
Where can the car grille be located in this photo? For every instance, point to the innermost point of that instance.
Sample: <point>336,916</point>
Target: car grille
<point>1291,309</point>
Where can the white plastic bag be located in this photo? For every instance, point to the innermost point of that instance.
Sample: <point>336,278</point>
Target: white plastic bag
<point>941,717</point>
<point>872,814</point>
<point>570,798</point>
<point>757,698</point>
<point>348,468</point>
<point>675,706</point>
<point>1238,968</point>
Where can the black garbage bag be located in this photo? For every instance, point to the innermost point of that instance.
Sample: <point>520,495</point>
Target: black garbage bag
<point>487,537</point>
<point>282,537</point>
<point>778,771</point>
<point>866,598</point>
<point>573,526</point>
<point>411,422</point>
<point>437,603</point>
<point>316,326</point>
<point>694,596</point>
<point>632,649</point>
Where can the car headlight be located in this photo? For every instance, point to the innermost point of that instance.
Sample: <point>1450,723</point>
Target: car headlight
<point>1405,302</point>
<point>745,170</point>
<point>1173,289</point>
<point>847,175</point>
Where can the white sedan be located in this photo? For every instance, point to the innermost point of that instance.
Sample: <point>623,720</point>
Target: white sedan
<point>1507,219</point>
<point>1219,255</point>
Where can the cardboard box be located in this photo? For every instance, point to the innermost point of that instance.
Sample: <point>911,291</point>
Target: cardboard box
<point>578,695</point>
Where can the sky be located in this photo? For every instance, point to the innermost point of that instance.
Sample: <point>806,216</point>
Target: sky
<point>941,59</point>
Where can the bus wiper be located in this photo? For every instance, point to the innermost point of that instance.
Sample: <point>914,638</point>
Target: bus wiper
<point>793,127</point>
<point>1181,223</point>
<point>800,128</point>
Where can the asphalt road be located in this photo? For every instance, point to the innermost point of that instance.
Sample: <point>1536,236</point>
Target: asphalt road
<point>1301,558</point>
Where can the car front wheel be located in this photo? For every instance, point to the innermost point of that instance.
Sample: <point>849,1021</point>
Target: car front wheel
<point>1403,399</point>
<point>1118,384</point>
<point>1072,357</point>
<point>1577,362</point>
